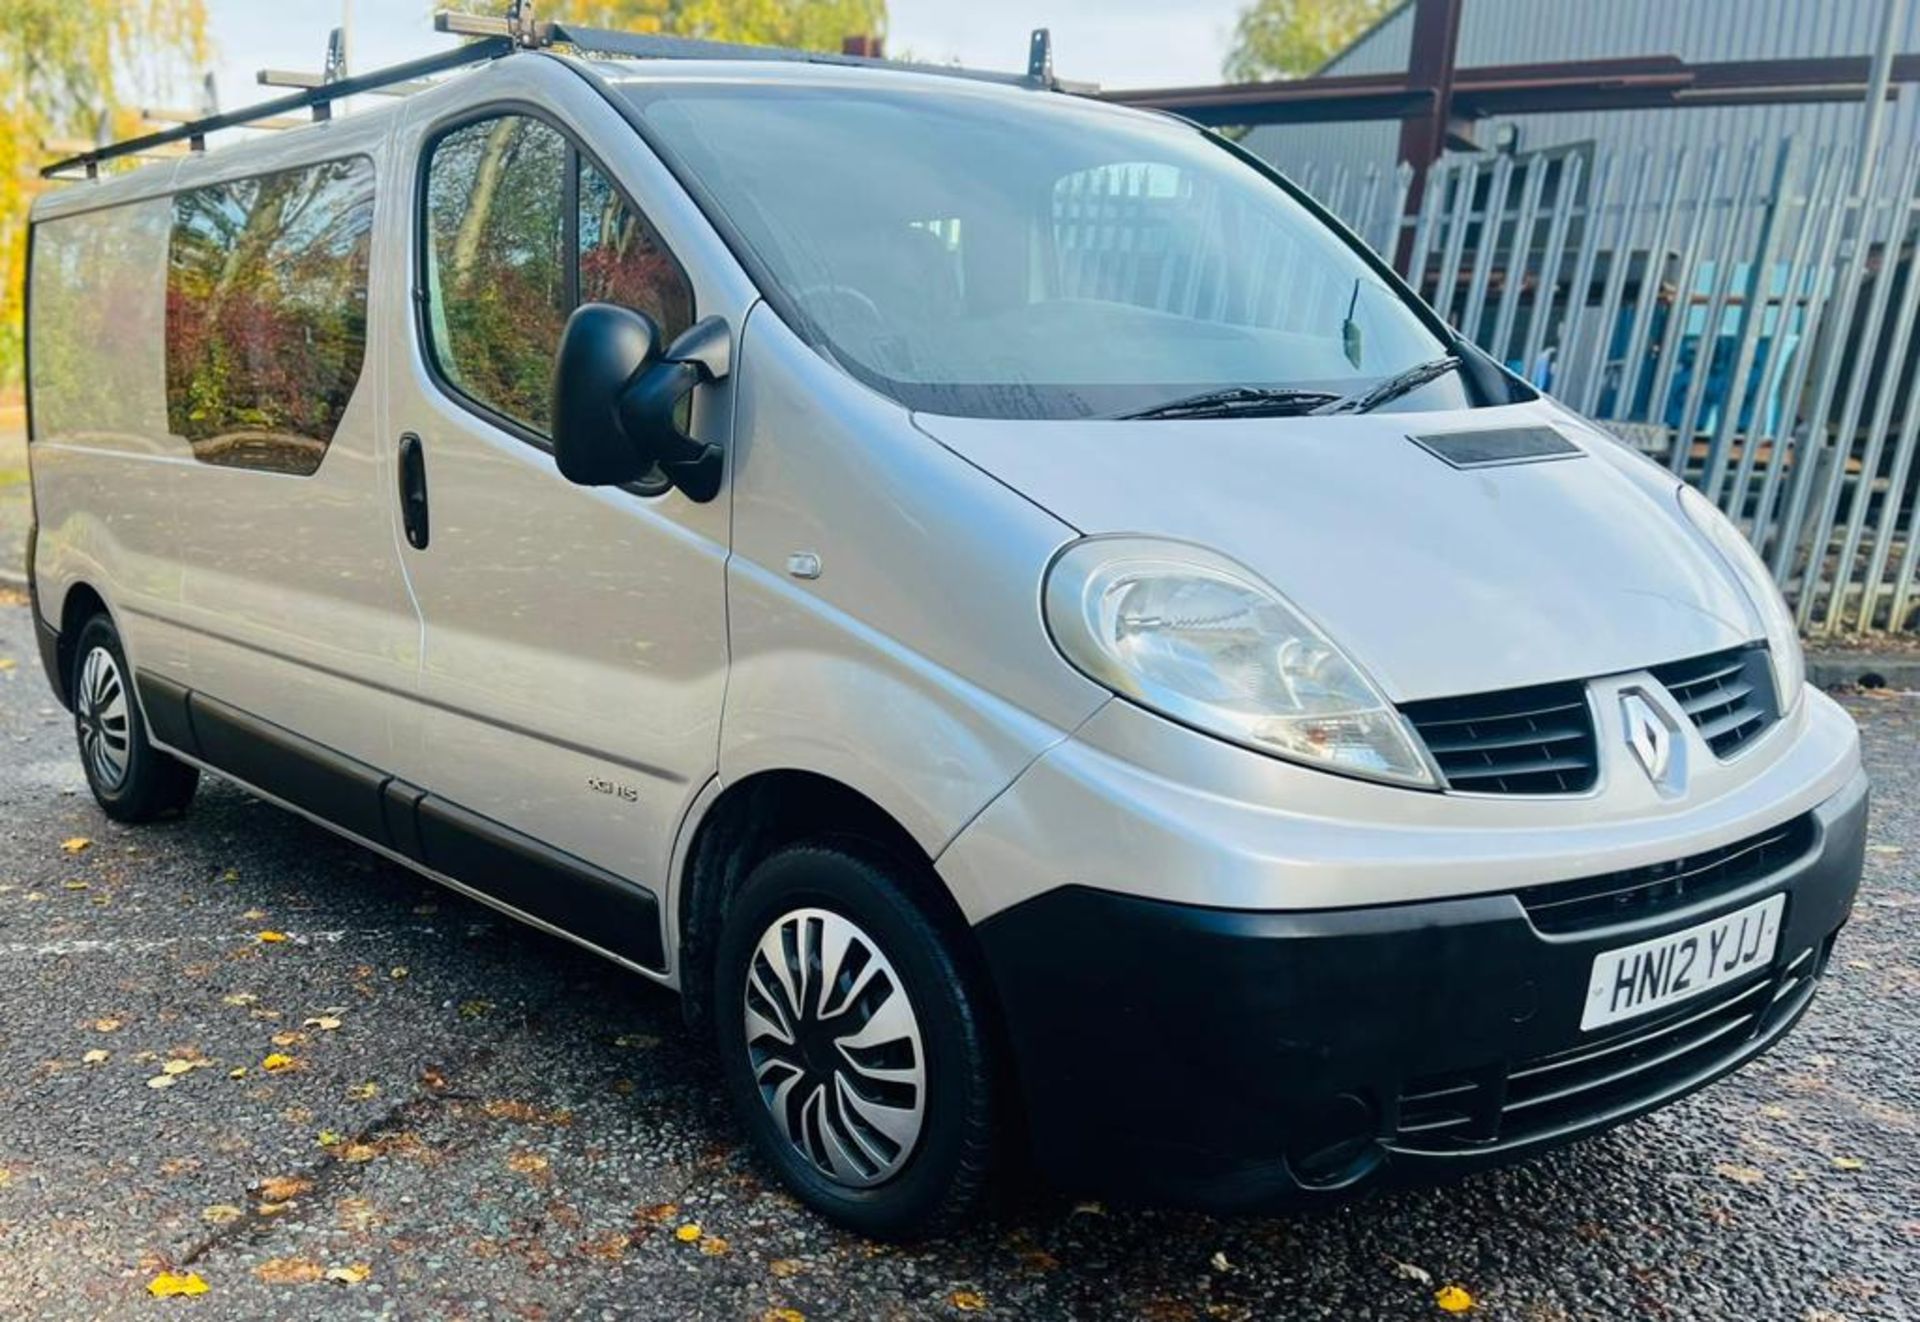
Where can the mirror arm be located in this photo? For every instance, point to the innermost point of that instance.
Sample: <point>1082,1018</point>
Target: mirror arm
<point>694,466</point>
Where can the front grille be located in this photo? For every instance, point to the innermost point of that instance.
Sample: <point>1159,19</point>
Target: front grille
<point>1606,1075</point>
<point>1518,741</point>
<point>1727,695</point>
<point>1634,894</point>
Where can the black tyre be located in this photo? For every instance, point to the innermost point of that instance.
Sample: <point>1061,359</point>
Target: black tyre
<point>853,1042</point>
<point>132,780</point>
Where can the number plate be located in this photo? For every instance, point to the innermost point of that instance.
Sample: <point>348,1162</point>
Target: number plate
<point>1635,980</point>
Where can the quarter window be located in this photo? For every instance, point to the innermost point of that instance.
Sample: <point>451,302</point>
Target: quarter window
<point>520,230</point>
<point>267,313</point>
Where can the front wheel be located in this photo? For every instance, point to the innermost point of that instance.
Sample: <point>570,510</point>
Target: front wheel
<point>852,1042</point>
<point>131,779</point>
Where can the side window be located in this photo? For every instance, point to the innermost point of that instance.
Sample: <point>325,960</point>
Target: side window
<point>266,313</point>
<point>623,261</point>
<point>519,230</point>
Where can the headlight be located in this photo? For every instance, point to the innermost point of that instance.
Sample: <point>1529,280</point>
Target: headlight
<point>1750,571</point>
<point>1196,637</point>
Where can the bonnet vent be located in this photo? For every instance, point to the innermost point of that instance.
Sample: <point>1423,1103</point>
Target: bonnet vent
<point>1496,446</point>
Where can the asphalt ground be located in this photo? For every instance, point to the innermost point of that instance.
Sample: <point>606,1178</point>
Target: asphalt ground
<point>477,1121</point>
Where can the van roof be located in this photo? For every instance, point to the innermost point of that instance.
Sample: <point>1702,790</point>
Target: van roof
<point>616,57</point>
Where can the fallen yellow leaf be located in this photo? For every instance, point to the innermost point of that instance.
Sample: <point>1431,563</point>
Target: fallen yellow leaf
<point>967,1301</point>
<point>220,1214</point>
<point>168,1284</point>
<point>1848,1164</point>
<point>713,1245</point>
<point>279,1188</point>
<point>95,1057</point>
<point>329,1139</point>
<point>1452,1299</point>
<point>277,1062</point>
<point>361,1092</point>
<point>75,845</point>
<point>161,1081</point>
<point>290,1038</point>
<point>176,1067</point>
<point>324,1022</point>
<point>288,1271</point>
<point>783,1315</point>
<point>106,1025</point>
<point>271,936</point>
<point>349,1275</point>
<point>785,1267</point>
<point>527,1163</point>
<point>357,1152</point>
<point>1739,1174</point>
<point>687,1233</point>
<point>7,663</point>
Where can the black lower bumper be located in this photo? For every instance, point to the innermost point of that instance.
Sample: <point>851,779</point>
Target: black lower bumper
<point>1237,1059</point>
<point>45,635</point>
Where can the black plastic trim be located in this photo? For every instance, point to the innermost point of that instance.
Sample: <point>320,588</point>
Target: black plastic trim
<point>1253,1044</point>
<point>165,705</point>
<point>289,766</point>
<point>608,911</point>
<point>537,879</point>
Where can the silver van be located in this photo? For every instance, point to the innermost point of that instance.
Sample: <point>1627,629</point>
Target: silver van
<point>1017,615</point>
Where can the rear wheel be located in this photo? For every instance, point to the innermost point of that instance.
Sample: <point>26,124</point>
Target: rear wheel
<point>852,1042</point>
<point>131,779</point>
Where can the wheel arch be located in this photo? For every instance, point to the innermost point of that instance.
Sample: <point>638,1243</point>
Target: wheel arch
<point>81,603</point>
<point>750,819</point>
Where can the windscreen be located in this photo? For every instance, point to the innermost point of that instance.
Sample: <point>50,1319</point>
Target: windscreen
<point>977,253</point>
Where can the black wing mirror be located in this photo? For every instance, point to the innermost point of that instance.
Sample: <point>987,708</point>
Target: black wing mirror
<point>617,396</point>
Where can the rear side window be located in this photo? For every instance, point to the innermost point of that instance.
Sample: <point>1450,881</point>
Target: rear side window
<point>519,230</point>
<point>267,313</point>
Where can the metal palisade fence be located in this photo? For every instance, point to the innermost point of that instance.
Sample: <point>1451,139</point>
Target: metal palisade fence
<point>1745,316</point>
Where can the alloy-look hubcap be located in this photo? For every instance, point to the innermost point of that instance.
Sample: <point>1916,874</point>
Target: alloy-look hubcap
<point>835,1047</point>
<point>101,708</point>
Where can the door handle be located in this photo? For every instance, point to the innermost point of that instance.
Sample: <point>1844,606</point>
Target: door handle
<point>413,490</point>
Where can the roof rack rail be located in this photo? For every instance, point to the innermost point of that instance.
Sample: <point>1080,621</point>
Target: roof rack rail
<point>319,100</point>
<point>519,26</point>
<point>491,38</point>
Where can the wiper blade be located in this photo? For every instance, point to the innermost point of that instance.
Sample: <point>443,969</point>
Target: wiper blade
<point>1400,383</point>
<point>1269,400</point>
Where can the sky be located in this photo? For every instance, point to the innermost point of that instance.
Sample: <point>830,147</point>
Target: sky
<point>1116,43</point>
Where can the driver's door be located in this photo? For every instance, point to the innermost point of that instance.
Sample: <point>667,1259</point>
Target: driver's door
<point>574,643</point>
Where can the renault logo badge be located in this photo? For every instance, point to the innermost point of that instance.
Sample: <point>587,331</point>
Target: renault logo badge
<point>1648,736</point>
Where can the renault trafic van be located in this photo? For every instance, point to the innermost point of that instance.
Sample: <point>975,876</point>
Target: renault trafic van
<point>996,597</point>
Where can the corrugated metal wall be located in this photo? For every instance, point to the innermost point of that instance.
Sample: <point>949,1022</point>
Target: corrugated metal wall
<point>1529,31</point>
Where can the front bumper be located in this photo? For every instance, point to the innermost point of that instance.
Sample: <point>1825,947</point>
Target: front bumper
<point>1234,1058</point>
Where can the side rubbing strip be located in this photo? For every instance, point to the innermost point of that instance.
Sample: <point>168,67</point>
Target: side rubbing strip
<point>165,704</point>
<point>1491,447</point>
<point>289,766</point>
<point>400,802</point>
<point>608,911</point>
<point>538,879</point>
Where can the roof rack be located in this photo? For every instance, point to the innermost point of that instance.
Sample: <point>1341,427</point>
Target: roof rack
<point>491,38</point>
<point>520,27</point>
<point>319,100</point>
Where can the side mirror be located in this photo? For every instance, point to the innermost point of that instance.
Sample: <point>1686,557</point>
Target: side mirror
<point>617,396</point>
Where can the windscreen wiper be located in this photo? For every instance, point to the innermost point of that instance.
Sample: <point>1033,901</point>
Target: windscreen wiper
<point>1392,388</point>
<point>1252,401</point>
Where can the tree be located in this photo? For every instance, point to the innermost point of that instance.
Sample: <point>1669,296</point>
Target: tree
<point>63,65</point>
<point>1290,38</point>
<point>809,24</point>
